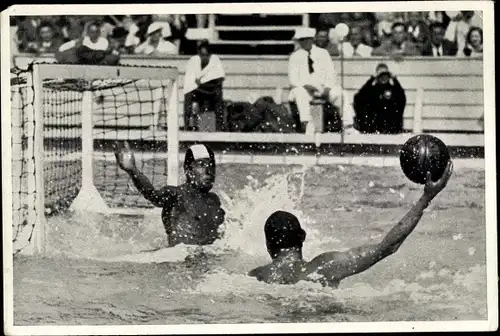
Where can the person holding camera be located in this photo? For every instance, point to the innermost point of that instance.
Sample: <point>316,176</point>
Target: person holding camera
<point>379,105</point>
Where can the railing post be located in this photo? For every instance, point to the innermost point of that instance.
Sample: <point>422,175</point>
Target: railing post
<point>173,136</point>
<point>212,28</point>
<point>306,20</point>
<point>417,112</point>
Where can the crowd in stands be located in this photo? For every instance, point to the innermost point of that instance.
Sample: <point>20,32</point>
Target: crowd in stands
<point>370,34</point>
<point>132,34</point>
<point>403,34</point>
<point>377,107</point>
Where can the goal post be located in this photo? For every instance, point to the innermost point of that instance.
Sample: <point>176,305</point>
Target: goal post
<point>65,120</point>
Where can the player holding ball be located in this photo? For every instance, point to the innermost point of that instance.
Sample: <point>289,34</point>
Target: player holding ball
<point>284,235</point>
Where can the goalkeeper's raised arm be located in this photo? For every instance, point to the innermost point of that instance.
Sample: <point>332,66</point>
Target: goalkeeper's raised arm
<point>126,160</point>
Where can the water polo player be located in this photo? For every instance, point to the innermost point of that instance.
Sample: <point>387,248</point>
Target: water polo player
<point>191,213</point>
<point>284,239</point>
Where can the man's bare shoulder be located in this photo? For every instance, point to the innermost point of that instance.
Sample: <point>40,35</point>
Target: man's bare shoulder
<point>322,268</point>
<point>324,258</point>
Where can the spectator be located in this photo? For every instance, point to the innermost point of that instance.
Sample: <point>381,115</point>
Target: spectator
<point>203,87</point>
<point>117,42</point>
<point>140,25</point>
<point>398,45</point>
<point>312,75</point>
<point>27,31</point>
<point>474,44</point>
<point>439,16</point>
<point>46,41</point>
<point>379,105</point>
<point>329,20</point>
<point>72,27</point>
<point>91,49</point>
<point>322,40</point>
<point>460,25</point>
<point>107,26</point>
<point>385,25</point>
<point>177,23</point>
<point>365,21</point>
<point>354,47</point>
<point>437,45</point>
<point>417,29</point>
<point>93,39</point>
<point>155,45</point>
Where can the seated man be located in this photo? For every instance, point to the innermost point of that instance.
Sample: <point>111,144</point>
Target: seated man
<point>398,45</point>
<point>379,105</point>
<point>322,40</point>
<point>46,42</point>
<point>284,239</point>
<point>312,75</point>
<point>92,48</point>
<point>203,85</point>
<point>437,45</point>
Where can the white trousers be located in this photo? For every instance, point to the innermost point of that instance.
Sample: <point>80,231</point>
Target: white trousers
<point>337,97</point>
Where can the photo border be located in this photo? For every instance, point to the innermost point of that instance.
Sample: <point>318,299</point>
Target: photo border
<point>334,327</point>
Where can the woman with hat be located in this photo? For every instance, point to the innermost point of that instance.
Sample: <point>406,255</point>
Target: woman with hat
<point>155,43</point>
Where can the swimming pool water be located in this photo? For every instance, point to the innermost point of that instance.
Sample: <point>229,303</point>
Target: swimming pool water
<point>105,270</point>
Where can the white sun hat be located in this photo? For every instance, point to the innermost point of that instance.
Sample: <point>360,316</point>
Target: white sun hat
<point>304,32</point>
<point>163,26</point>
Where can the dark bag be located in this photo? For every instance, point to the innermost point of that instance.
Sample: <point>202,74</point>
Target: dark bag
<point>277,118</point>
<point>243,117</point>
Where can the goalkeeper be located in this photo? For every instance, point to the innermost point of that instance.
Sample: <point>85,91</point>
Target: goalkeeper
<point>191,213</point>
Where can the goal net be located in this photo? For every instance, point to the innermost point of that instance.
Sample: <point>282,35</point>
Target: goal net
<point>65,121</point>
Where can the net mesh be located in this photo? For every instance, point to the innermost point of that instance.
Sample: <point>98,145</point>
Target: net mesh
<point>23,161</point>
<point>122,110</point>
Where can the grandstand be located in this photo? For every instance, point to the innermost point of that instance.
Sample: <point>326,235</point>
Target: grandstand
<point>440,100</point>
<point>260,34</point>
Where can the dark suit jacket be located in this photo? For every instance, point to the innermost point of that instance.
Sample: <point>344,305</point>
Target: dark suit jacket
<point>379,107</point>
<point>449,49</point>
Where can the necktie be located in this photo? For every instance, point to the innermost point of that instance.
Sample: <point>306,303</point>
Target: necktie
<point>438,53</point>
<point>310,62</point>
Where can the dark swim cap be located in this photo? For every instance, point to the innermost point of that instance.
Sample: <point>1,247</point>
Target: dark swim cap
<point>283,230</point>
<point>198,152</point>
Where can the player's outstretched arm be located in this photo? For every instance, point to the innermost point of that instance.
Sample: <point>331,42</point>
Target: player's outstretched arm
<point>339,265</point>
<point>126,160</point>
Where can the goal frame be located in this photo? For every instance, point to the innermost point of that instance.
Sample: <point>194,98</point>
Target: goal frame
<point>88,198</point>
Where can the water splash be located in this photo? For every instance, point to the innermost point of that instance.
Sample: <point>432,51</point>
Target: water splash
<point>255,202</point>
<point>142,238</point>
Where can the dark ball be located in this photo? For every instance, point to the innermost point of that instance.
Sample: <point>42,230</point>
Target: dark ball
<point>423,153</point>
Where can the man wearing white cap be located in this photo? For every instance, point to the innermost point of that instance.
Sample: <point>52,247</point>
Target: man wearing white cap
<point>155,43</point>
<point>191,214</point>
<point>312,75</point>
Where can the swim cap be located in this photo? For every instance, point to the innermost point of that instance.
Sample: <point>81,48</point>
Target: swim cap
<point>282,230</point>
<point>197,152</point>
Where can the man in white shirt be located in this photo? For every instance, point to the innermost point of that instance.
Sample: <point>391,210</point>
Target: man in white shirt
<point>203,85</point>
<point>92,39</point>
<point>155,43</point>
<point>92,48</point>
<point>311,74</point>
<point>355,46</point>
